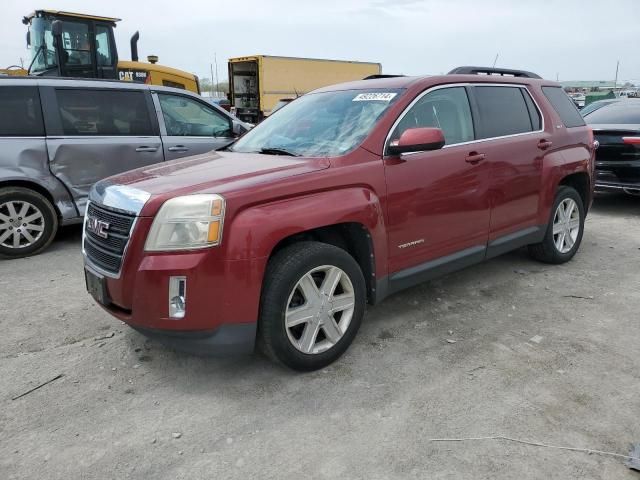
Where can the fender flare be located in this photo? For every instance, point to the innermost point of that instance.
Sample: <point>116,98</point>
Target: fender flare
<point>254,232</point>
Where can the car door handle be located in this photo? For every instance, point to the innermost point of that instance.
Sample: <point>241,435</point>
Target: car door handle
<point>146,149</point>
<point>178,148</point>
<point>544,144</point>
<point>474,158</point>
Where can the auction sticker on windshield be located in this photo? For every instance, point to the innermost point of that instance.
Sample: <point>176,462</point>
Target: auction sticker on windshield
<point>375,96</point>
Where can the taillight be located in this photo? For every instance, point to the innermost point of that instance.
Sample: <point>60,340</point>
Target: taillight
<point>631,140</point>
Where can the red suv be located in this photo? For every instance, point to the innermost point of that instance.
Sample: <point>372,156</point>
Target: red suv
<point>351,193</point>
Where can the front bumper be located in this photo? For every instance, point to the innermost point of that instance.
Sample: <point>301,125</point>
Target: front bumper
<point>608,181</point>
<point>618,176</point>
<point>222,296</point>
<point>226,340</point>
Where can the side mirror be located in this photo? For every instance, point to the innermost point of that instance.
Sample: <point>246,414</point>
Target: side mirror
<point>417,140</point>
<point>238,128</point>
<point>28,38</point>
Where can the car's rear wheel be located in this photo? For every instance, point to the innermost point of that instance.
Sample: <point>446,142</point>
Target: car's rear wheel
<point>28,222</point>
<point>565,230</point>
<point>312,305</point>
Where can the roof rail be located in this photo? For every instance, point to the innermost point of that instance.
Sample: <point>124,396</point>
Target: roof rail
<point>492,71</point>
<point>381,75</point>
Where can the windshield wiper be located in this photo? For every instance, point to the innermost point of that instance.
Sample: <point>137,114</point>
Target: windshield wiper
<point>278,151</point>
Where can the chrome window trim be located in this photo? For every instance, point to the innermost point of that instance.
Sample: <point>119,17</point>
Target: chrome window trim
<point>95,267</point>
<point>479,140</point>
<point>26,137</point>
<point>76,137</point>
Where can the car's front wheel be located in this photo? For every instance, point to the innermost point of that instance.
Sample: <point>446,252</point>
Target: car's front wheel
<point>312,305</point>
<point>564,232</point>
<point>28,222</point>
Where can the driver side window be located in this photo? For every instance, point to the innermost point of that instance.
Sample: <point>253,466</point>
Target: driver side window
<point>445,108</point>
<point>187,117</point>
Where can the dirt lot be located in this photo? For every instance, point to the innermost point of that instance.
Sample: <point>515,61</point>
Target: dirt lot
<point>542,353</point>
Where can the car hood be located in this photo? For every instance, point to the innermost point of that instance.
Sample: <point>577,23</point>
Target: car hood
<point>213,172</point>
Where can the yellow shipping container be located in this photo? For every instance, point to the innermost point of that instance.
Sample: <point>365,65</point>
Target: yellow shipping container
<point>257,83</point>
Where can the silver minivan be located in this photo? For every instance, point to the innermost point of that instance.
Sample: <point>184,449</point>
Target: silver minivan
<point>60,136</point>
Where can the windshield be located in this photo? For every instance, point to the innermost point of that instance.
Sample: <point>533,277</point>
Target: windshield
<point>625,112</point>
<point>76,44</point>
<point>320,124</point>
<point>42,51</point>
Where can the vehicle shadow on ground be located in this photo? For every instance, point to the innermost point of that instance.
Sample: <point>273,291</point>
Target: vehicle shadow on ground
<point>383,323</point>
<point>387,327</point>
<point>615,204</point>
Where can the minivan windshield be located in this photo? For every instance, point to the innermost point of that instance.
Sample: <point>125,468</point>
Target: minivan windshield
<point>326,124</point>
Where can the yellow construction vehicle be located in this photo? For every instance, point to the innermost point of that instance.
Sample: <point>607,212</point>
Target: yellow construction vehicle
<point>70,44</point>
<point>15,70</point>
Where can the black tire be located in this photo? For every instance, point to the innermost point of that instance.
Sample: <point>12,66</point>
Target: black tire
<point>49,221</point>
<point>284,271</point>
<point>546,251</point>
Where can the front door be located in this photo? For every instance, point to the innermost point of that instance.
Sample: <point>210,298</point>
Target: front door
<point>99,133</point>
<point>437,200</point>
<point>191,126</point>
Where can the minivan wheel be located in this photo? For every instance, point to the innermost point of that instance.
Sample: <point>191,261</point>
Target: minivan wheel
<point>28,222</point>
<point>564,233</point>
<point>312,305</point>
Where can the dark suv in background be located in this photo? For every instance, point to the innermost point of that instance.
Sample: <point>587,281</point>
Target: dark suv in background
<point>60,136</point>
<point>617,128</point>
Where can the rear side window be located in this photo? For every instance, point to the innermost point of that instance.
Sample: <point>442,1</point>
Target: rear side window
<point>103,112</point>
<point>563,106</point>
<point>534,113</point>
<point>503,111</point>
<point>20,112</point>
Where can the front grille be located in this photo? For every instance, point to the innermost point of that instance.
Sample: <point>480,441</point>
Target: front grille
<point>107,253</point>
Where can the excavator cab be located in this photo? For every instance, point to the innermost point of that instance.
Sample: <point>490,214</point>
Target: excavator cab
<point>69,44</point>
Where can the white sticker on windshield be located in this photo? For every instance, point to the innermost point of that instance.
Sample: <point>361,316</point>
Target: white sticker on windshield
<point>374,97</point>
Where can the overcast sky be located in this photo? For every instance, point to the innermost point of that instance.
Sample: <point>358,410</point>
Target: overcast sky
<point>574,39</point>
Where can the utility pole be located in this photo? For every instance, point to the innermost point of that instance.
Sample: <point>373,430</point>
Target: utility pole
<point>615,82</point>
<point>557,76</point>
<point>211,84</point>
<point>496,59</point>
<point>215,59</point>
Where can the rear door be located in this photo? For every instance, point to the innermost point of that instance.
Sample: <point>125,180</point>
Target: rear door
<point>98,133</point>
<point>510,130</point>
<point>23,151</point>
<point>190,126</point>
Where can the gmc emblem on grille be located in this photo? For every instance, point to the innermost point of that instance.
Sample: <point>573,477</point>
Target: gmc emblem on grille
<point>98,227</point>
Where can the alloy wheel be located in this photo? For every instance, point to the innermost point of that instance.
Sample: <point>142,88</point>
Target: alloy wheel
<point>319,309</point>
<point>566,225</point>
<point>21,224</point>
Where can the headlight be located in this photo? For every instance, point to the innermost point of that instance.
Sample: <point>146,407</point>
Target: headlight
<point>184,223</point>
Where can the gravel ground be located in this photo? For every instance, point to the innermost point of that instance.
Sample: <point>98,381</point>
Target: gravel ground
<point>510,347</point>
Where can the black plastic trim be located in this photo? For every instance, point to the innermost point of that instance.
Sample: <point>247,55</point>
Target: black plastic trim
<point>228,339</point>
<point>435,268</point>
<point>515,240</point>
